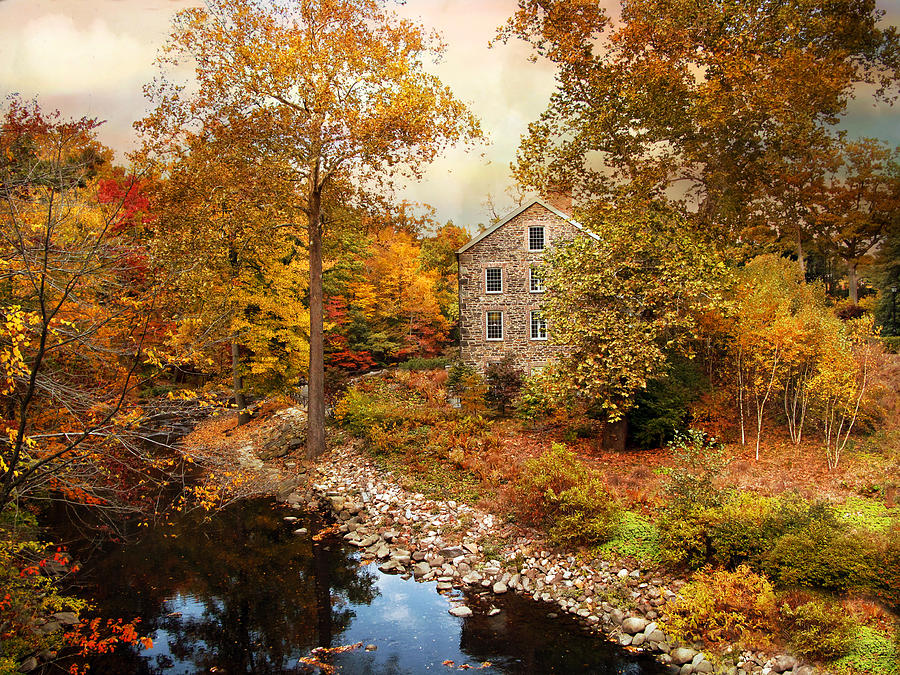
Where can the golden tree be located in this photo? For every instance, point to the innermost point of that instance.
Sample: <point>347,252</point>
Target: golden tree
<point>336,89</point>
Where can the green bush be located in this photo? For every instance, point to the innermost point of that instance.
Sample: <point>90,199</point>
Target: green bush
<point>422,363</point>
<point>872,653</point>
<point>792,541</point>
<point>634,537</point>
<point>887,583</point>
<point>820,558</point>
<point>738,530</point>
<point>533,402</point>
<point>663,408</point>
<point>457,374</point>
<point>817,630</point>
<point>559,492</point>
<point>699,459</point>
<point>891,343</point>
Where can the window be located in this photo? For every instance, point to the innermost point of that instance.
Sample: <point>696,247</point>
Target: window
<point>493,280</point>
<point>538,326</point>
<point>535,283</point>
<point>495,325</point>
<point>536,238</point>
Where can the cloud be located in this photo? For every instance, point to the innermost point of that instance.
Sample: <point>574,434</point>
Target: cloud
<point>52,55</point>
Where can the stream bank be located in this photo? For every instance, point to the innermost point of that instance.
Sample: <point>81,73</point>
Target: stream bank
<point>459,547</point>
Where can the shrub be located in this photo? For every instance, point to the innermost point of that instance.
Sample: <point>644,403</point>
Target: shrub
<point>28,597</point>
<point>534,403</point>
<point>558,491</point>
<point>792,541</point>
<point>820,557</point>
<point>724,607</point>
<point>738,529</point>
<point>699,460</point>
<point>634,537</point>
<point>504,381</point>
<point>870,652</point>
<point>422,363</point>
<point>817,630</point>
<point>887,584</point>
<point>459,371</point>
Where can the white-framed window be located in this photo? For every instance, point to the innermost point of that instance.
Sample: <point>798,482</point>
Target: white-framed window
<point>538,326</point>
<point>536,238</point>
<point>494,325</point>
<point>493,280</point>
<point>535,283</point>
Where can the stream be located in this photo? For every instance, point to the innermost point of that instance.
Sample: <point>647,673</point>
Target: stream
<point>240,592</point>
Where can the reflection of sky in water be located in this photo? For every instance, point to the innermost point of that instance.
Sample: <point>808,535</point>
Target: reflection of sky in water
<point>190,608</point>
<point>410,625</point>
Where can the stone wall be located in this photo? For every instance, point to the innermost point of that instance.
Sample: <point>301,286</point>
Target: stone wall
<point>507,248</point>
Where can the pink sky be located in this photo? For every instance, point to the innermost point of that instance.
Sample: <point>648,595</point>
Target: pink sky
<point>92,57</point>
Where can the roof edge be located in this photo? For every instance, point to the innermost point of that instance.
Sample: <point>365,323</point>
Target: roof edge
<point>519,210</point>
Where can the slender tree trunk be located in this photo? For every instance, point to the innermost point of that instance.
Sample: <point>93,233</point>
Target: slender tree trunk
<point>315,440</point>
<point>800,254</point>
<point>853,283</point>
<point>238,381</point>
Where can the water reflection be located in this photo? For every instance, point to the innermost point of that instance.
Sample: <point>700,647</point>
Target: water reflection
<point>242,593</point>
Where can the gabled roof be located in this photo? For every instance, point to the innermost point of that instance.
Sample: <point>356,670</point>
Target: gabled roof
<point>515,212</point>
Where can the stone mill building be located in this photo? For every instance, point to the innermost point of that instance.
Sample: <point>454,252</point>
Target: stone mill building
<point>500,289</point>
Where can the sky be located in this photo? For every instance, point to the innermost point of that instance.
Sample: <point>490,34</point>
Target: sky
<point>92,58</point>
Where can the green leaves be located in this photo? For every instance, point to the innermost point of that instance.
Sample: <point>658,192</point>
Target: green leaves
<point>626,301</point>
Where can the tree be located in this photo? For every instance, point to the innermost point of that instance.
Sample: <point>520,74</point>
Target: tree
<point>76,313</point>
<point>778,330</point>
<point>335,89</point>
<point>625,301</point>
<point>224,234</point>
<point>697,102</point>
<point>841,382</point>
<point>860,204</point>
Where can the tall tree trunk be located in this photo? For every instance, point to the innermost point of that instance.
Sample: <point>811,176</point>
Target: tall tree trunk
<point>853,282</point>
<point>238,381</point>
<point>315,440</point>
<point>800,254</point>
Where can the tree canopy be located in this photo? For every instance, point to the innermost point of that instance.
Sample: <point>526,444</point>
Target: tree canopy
<point>701,103</point>
<point>336,90</point>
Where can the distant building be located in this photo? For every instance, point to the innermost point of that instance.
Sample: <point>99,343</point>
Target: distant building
<point>500,289</point>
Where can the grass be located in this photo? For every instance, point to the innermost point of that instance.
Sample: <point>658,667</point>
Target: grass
<point>873,653</point>
<point>634,537</point>
<point>866,513</point>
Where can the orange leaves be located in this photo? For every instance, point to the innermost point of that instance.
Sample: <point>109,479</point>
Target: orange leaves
<point>317,655</point>
<point>465,666</point>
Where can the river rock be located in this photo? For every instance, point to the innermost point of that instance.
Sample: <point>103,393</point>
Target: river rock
<point>67,618</point>
<point>783,663</point>
<point>634,625</point>
<point>682,655</point>
<point>462,611</point>
<point>499,588</point>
